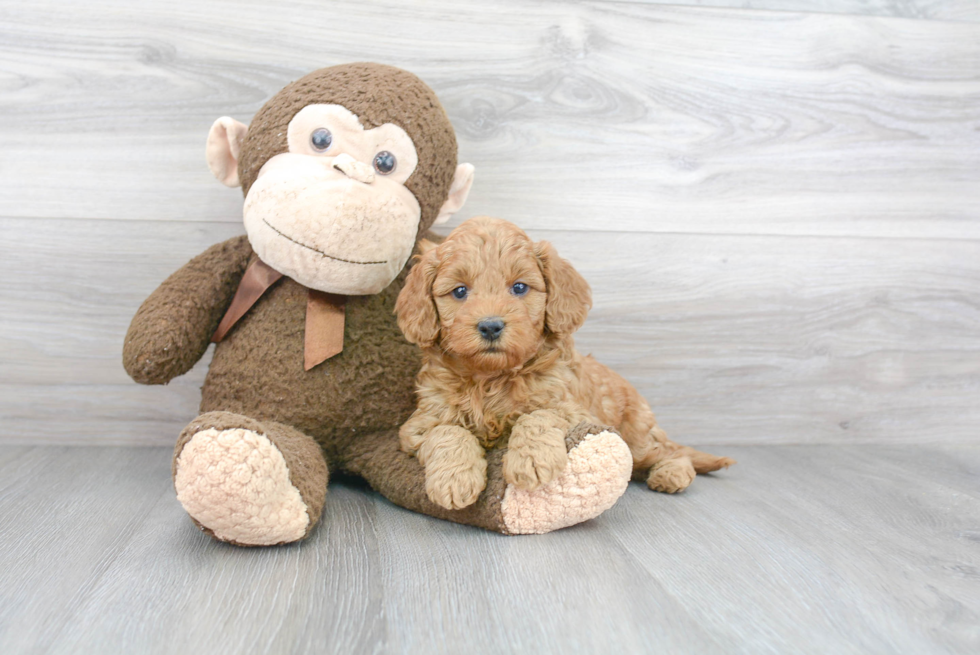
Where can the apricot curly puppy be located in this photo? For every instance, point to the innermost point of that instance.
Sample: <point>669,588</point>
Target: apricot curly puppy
<point>494,314</point>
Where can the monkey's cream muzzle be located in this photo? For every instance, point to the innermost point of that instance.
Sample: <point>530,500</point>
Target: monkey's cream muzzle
<point>331,223</point>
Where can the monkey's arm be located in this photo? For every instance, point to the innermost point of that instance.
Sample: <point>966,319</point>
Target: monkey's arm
<point>173,327</point>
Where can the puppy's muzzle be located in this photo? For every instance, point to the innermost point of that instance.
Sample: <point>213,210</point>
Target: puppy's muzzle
<point>490,328</point>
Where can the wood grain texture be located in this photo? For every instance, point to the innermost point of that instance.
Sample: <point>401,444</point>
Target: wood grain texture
<point>734,339</point>
<point>65,305</point>
<point>800,539</point>
<point>67,514</point>
<point>795,550</point>
<point>602,115</point>
<point>954,10</point>
<point>778,211</point>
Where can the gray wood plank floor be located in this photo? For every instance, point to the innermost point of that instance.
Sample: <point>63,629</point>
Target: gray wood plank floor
<point>798,549</point>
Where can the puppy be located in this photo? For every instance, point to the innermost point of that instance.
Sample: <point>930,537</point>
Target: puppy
<point>494,314</point>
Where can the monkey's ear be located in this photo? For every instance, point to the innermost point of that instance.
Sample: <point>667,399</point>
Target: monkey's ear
<point>224,146</point>
<point>417,316</point>
<point>569,296</point>
<point>458,192</point>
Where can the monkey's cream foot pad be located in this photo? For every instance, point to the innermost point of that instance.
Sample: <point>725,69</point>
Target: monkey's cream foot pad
<point>236,484</point>
<point>598,472</point>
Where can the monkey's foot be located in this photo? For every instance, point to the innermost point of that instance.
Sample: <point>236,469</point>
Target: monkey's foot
<point>249,483</point>
<point>596,475</point>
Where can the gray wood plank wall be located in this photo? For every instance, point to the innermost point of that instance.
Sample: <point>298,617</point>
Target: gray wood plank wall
<point>951,10</point>
<point>779,211</point>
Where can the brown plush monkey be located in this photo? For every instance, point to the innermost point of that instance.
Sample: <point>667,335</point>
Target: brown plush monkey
<point>343,171</point>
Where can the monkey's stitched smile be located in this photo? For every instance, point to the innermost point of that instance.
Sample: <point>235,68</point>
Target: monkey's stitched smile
<point>320,252</point>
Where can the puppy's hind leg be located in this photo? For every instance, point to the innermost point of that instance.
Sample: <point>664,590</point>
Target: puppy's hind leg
<point>663,467</point>
<point>702,462</point>
<point>666,466</point>
<point>705,462</point>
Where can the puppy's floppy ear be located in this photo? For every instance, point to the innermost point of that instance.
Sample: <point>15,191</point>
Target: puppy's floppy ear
<point>569,296</point>
<point>425,246</point>
<point>417,316</point>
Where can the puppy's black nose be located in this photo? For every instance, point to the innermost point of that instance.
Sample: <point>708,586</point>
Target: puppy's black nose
<point>490,328</point>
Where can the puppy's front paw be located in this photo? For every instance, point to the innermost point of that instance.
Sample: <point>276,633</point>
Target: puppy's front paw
<point>530,468</point>
<point>455,486</point>
<point>671,475</point>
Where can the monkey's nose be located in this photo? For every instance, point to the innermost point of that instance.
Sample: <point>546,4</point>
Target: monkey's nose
<point>353,169</point>
<point>490,328</point>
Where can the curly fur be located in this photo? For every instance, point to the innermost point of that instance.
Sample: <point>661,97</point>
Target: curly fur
<point>527,387</point>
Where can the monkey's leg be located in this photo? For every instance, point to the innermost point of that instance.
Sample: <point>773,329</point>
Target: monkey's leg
<point>595,476</point>
<point>249,482</point>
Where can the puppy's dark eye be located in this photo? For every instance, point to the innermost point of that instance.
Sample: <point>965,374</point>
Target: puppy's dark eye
<point>519,289</point>
<point>384,162</point>
<point>321,139</point>
<point>460,292</point>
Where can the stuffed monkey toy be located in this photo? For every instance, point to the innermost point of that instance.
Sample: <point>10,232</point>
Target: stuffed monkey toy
<point>343,172</point>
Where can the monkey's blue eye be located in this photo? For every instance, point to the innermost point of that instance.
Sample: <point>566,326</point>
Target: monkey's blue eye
<point>519,289</point>
<point>384,162</point>
<point>460,292</point>
<point>321,139</point>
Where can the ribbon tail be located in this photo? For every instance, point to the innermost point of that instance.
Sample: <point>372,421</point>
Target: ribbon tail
<point>324,338</point>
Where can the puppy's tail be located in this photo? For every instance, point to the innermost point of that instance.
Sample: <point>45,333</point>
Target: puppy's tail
<point>705,462</point>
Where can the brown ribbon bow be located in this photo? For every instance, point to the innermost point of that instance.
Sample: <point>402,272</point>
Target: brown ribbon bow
<point>324,336</point>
